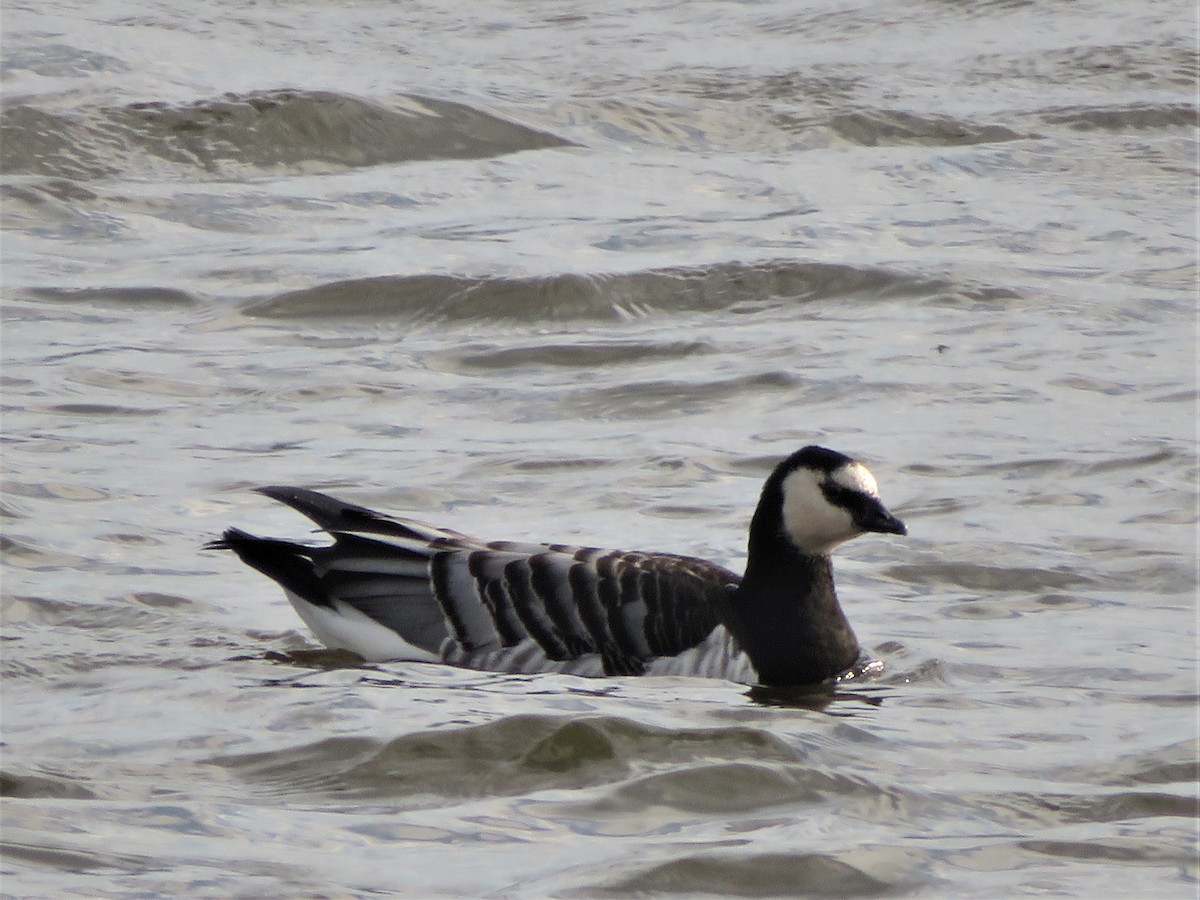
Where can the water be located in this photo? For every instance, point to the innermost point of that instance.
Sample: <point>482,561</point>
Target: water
<point>583,273</point>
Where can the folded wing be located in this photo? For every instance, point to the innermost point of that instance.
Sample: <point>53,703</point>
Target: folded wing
<point>526,607</point>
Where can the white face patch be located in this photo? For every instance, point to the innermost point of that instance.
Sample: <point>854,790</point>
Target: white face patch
<point>854,475</point>
<point>814,524</point>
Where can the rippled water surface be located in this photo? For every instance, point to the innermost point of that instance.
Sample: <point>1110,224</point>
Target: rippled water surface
<point>580,272</point>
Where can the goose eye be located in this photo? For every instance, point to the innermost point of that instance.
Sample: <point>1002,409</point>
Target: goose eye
<point>842,496</point>
<point>856,504</point>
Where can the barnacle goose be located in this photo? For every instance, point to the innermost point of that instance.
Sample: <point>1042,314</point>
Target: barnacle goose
<point>389,588</point>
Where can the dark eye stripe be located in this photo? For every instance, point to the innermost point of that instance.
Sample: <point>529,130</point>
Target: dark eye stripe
<point>854,502</point>
<point>839,495</point>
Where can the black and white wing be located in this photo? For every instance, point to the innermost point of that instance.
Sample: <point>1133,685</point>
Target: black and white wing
<point>393,588</point>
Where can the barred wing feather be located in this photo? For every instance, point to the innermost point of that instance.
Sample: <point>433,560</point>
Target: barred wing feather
<point>522,607</point>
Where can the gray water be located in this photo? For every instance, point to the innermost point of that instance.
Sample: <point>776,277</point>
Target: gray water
<point>578,272</point>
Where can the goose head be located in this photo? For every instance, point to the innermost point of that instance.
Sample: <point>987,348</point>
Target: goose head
<point>819,498</point>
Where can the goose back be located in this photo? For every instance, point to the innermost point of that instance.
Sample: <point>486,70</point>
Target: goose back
<point>490,605</point>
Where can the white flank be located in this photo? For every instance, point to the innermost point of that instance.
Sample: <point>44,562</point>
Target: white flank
<point>525,658</point>
<point>717,656</point>
<point>345,628</point>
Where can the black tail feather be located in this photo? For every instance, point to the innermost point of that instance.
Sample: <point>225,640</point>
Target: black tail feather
<point>328,512</point>
<point>336,515</point>
<point>288,563</point>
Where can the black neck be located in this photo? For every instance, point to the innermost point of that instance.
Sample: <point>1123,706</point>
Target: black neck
<point>786,616</point>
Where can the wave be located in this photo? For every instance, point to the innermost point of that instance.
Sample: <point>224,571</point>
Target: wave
<point>513,756</point>
<point>268,132</point>
<point>732,286</point>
